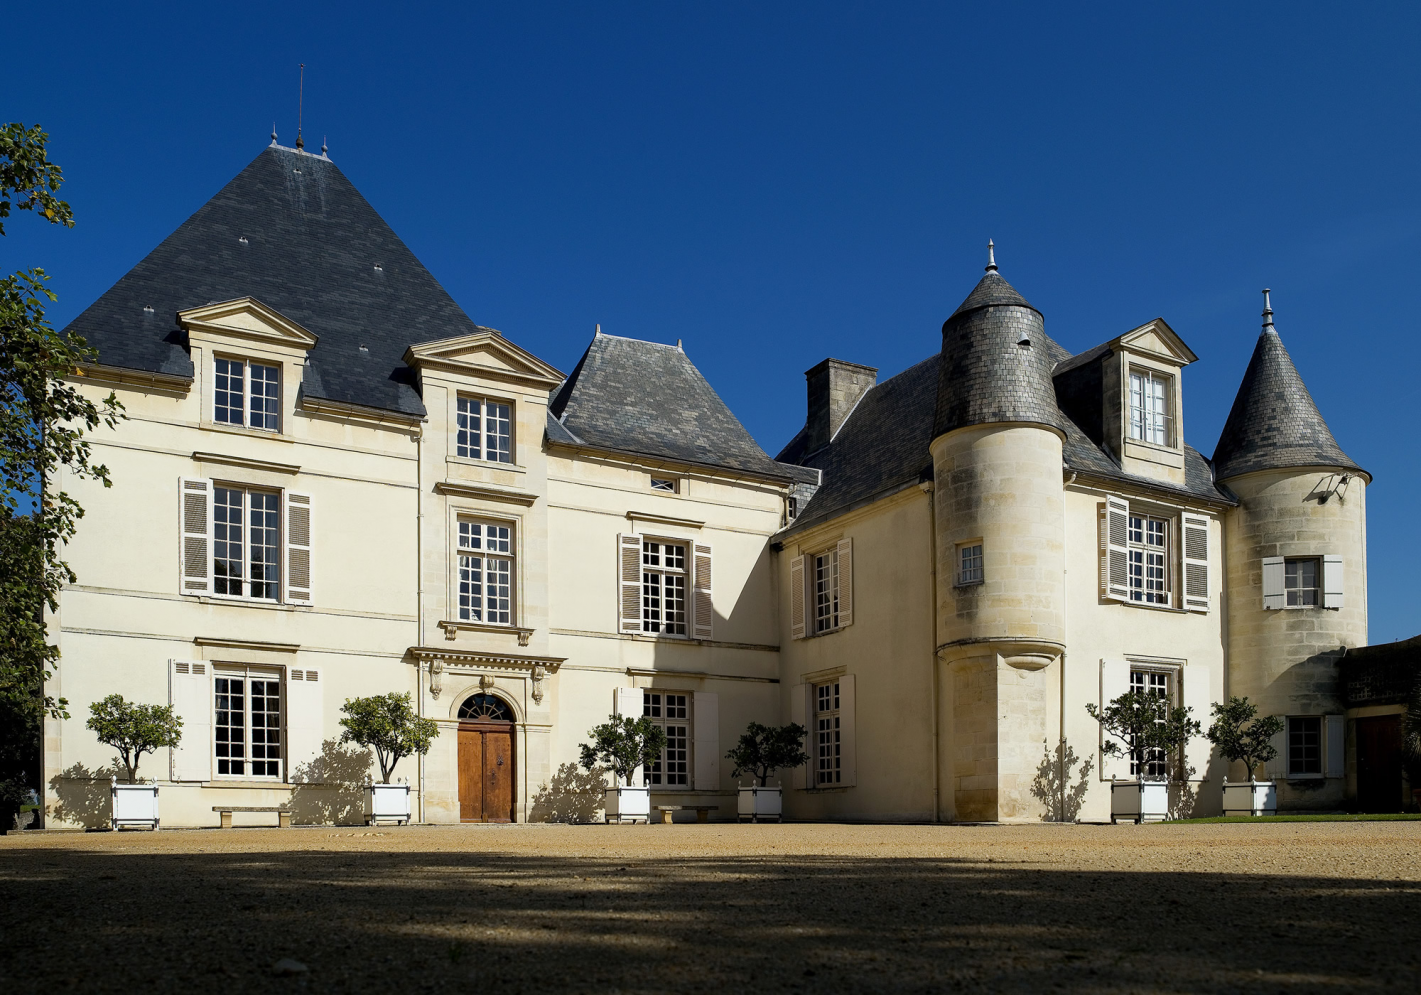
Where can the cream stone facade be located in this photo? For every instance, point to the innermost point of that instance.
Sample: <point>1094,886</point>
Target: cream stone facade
<point>331,483</point>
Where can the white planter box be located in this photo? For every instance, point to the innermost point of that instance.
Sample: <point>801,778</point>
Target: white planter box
<point>387,803</point>
<point>1139,801</point>
<point>134,805</point>
<point>628,804</point>
<point>756,803</point>
<point>1250,798</point>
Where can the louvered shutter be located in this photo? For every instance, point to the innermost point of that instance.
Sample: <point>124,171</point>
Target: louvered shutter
<point>1114,681</point>
<point>305,723</point>
<point>298,548</point>
<point>190,694</point>
<point>705,721</point>
<point>848,747</point>
<point>1332,582</point>
<point>1197,694</point>
<point>629,572</point>
<point>196,512</point>
<point>798,708</point>
<point>1196,563</point>
<point>704,606</point>
<point>1274,596</point>
<point>630,702</point>
<point>1335,742</point>
<point>796,598</point>
<point>846,582</point>
<point>1115,549</point>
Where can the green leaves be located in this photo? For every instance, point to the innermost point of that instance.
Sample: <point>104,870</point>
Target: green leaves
<point>387,723</point>
<point>762,750</point>
<point>27,173</point>
<point>623,744</point>
<point>1252,744</point>
<point>1145,725</point>
<point>134,729</point>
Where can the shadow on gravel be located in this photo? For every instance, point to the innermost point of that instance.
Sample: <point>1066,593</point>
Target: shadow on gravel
<point>416,922</point>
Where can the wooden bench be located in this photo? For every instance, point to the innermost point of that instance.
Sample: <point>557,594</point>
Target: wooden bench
<point>702,812</point>
<point>283,815</point>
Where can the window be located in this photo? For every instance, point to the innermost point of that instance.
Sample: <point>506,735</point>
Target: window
<point>485,572</point>
<point>1300,583</point>
<point>1154,682</point>
<point>1149,565</point>
<point>793,508</point>
<point>247,393</point>
<point>485,430</point>
<point>246,550</point>
<point>1305,746</point>
<point>826,591</point>
<point>665,485</point>
<point>969,563</point>
<point>248,723</point>
<point>670,712</point>
<point>1150,420</point>
<point>663,587</point>
<point>828,768</point>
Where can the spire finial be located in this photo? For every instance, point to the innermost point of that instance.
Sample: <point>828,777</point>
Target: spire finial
<point>273,132</point>
<point>991,256</point>
<point>1267,310</point>
<point>324,150</point>
<point>300,107</point>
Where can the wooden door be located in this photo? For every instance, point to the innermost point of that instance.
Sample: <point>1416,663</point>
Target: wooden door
<point>486,772</point>
<point>1379,763</point>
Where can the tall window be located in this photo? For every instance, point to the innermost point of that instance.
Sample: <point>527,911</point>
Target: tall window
<point>485,572</point>
<point>969,563</point>
<point>827,767</point>
<point>1300,583</point>
<point>1150,419</point>
<point>247,393</point>
<point>826,591</point>
<point>1156,683</point>
<point>1149,560</point>
<point>246,546</point>
<point>663,587</point>
<point>485,430</point>
<point>670,712</point>
<point>248,723</point>
<point>1304,745</point>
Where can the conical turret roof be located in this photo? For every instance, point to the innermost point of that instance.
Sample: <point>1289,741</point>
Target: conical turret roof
<point>1274,423</point>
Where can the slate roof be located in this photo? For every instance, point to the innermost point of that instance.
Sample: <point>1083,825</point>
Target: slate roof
<point>1274,422</point>
<point>312,244</point>
<point>648,399</point>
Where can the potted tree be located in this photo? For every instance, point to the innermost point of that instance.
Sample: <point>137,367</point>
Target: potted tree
<point>133,729</point>
<point>624,745</point>
<point>1239,734</point>
<point>762,750</point>
<point>387,723</point>
<point>1150,731</point>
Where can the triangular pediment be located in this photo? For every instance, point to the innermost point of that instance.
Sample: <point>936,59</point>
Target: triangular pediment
<point>485,353</point>
<point>1158,340</point>
<point>249,318</point>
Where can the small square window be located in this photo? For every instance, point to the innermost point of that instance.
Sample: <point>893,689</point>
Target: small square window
<point>666,485</point>
<point>969,563</point>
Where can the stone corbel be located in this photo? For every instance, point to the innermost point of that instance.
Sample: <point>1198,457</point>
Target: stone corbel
<point>539,674</point>
<point>436,678</point>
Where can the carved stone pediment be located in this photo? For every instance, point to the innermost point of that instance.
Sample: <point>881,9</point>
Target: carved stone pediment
<point>1158,341</point>
<point>485,354</point>
<point>246,318</point>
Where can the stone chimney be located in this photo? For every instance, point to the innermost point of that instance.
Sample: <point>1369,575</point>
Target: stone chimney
<point>834,388</point>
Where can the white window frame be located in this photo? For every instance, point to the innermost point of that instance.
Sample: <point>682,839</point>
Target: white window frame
<point>246,542</point>
<point>673,711</point>
<point>502,555</point>
<point>1295,721</point>
<point>1150,407</point>
<point>1290,592</point>
<point>1149,556</point>
<point>970,566</point>
<point>827,733</point>
<point>666,485</point>
<point>657,577</point>
<point>246,674</point>
<point>824,590</point>
<point>246,412</point>
<point>469,449</point>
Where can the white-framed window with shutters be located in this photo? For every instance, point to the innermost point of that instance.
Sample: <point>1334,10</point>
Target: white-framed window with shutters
<point>245,543</point>
<point>665,587</point>
<point>246,393</point>
<point>826,590</point>
<point>1151,407</point>
<point>1143,560</point>
<point>1149,559</point>
<point>1161,683</point>
<point>1302,582</point>
<point>671,710</point>
<point>821,593</point>
<point>247,722</point>
<point>1305,746</point>
<point>483,429</point>
<point>828,735</point>
<point>485,567</point>
<point>969,563</point>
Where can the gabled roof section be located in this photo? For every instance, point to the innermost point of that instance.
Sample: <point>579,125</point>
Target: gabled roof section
<point>648,399</point>
<point>1156,338</point>
<point>291,231</point>
<point>246,318</point>
<point>485,353</point>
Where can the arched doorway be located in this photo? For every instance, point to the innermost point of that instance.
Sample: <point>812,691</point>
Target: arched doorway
<point>487,786</point>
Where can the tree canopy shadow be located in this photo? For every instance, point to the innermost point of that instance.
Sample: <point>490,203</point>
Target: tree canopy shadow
<point>82,795</point>
<point>1059,789</point>
<point>329,790</point>
<point>573,795</point>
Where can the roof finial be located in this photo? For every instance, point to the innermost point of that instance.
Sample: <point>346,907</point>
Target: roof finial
<point>273,132</point>
<point>599,329</point>
<point>300,107</point>
<point>1267,310</point>
<point>991,256</point>
<point>324,150</point>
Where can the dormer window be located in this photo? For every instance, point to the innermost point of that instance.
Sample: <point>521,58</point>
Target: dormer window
<point>485,430</point>
<point>247,393</point>
<point>1151,417</point>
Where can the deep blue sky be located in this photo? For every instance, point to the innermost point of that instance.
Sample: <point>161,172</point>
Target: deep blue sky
<point>778,183</point>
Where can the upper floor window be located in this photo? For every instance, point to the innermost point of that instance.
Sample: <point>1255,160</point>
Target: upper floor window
<point>485,572</point>
<point>1302,582</point>
<point>485,430</point>
<point>969,563</point>
<point>247,393</point>
<point>1149,560</point>
<point>826,590</point>
<point>1151,419</point>
<point>663,587</point>
<point>671,712</point>
<point>667,485</point>
<point>246,543</point>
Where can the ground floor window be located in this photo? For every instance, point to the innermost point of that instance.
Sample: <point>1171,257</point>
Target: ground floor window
<point>1304,745</point>
<point>828,768</point>
<point>1156,682</point>
<point>672,712</point>
<point>247,726</point>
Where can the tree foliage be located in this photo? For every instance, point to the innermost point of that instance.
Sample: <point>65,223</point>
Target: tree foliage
<point>27,173</point>
<point>388,724</point>
<point>762,750</point>
<point>623,745</point>
<point>1411,736</point>
<point>134,729</point>
<point>1240,734</point>
<point>1145,725</point>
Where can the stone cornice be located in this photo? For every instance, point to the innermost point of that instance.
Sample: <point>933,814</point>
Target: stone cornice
<point>458,488</point>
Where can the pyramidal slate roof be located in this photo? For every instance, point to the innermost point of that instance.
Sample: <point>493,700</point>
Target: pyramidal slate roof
<point>293,232</point>
<point>1274,422</point>
<point>649,399</point>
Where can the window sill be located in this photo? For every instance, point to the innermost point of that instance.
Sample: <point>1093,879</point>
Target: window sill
<point>1303,608</point>
<point>1157,608</point>
<point>251,433</point>
<point>487,464</point>
<point>241,782</point>
<point>452,630</point>
<point>836,789</point>
<point>962,584</point>
<point>224,599</point>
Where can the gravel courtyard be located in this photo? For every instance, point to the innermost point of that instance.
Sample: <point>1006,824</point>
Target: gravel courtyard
<point>1308,907</point>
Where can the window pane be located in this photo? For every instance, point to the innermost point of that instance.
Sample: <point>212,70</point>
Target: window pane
<point>266,727</point>
<point>228,392</point>
<point>265,548</point>
<point>227,556</point>
<point>265,402</point>
<point>498,432</point>
<point>468,438</point>
<point>230,728</point>
<point>498,590</point>
<point>826,591</point>
<point>471,588</point>
<point>650,601</point>
<point>1305,745</point>
<point>827,734</point>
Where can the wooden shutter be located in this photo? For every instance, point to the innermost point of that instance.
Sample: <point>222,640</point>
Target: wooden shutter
<point>631,703</point>
<point>1335,742</point>
<point>796,597</point>
<point>1277,768</point>
<point>1197,695</point>
<point>704,609</point>
<point>846,582</point>
<point>1114,681</point>
<point>1115,549</point>
<point>705,721</point>
<point>1196,563</point>
<point>298,548</point>
<point>848,747</point>
<point>1274,597</point>
<point>629,571</point>
<point>1332,582</point>
<point>190,694</point>
<point>305,723</point>
<point>196,515</point>
<point>801,714</point>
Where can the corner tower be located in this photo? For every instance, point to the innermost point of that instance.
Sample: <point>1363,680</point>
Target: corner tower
<point>1000,544</point>
<point>1297,568</point>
